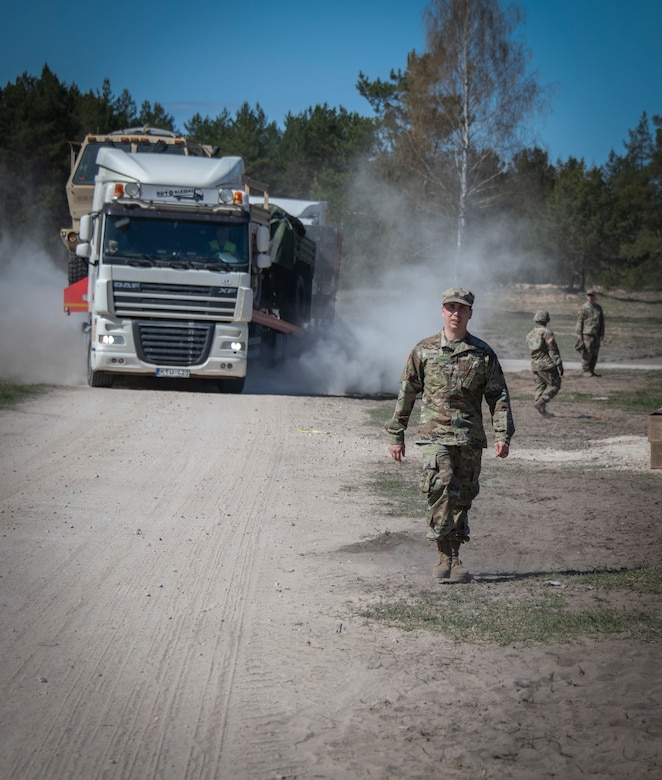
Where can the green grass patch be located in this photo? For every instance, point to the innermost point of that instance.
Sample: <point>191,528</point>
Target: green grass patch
<point>642,580</point>
<point>12,394</point>
<point>527,613</point>
<point>648,398</point>
<point>398,491</point>
<point>378,416</point>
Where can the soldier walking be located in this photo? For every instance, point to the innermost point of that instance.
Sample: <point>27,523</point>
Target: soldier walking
<point>546,362</point>
<point>453,371</point>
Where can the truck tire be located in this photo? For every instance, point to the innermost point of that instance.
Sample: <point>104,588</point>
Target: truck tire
<point>295,305</point>
<point>96,378</point>
<point>272,349</point>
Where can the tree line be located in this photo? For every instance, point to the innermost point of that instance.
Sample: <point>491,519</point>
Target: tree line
<point>439,171</point>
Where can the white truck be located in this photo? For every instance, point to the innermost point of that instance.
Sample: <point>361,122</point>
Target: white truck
<point>186,269</point>
<point>80,185</point>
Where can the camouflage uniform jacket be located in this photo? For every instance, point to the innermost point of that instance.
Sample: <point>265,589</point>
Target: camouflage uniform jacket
<point>544,350</point>
<point>590,321</point>
<point>453,378</point>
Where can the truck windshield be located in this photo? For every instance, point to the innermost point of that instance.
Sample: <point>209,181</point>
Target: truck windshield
<point>171,243</point>
<point>160,147</point>
<point>87,167</point>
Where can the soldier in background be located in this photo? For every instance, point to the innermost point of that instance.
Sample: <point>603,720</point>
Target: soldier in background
<point>590,332</point>
<point>546,362</point>
<point>453,371</point>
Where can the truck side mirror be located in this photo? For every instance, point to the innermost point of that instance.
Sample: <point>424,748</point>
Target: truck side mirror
<point>85,229</point>
<point>83,250</point>
<point>262,239</point>
<point>263,261</point>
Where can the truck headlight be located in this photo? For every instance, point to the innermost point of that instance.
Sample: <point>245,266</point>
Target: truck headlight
<point>109,338</point>
<point>235,346</point>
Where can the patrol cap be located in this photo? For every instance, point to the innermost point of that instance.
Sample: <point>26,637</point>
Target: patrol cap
<point>458,295</point>
<point>541,316</point>
<point>591,292</point>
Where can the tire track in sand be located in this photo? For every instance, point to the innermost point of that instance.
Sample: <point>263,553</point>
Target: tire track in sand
<point>143,690</point>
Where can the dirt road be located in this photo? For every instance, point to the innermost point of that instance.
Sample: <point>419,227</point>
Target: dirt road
<point>180,575</point>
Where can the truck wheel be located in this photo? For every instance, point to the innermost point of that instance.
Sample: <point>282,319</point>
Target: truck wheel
<point>232,386</point>
<point>97,378</point>
<point>272,348</point>
<point>295,308</point>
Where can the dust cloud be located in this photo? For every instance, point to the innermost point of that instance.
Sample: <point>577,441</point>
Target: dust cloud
<point>379,321</point>
<point>40,343</point>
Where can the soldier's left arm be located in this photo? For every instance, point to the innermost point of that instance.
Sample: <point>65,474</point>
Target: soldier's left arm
<point>553,350</point>
<point>498,401</point>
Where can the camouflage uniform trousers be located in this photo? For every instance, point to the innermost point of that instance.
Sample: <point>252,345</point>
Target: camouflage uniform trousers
<point>450,482</point>
<point>548,383</point>
<point>589,352</point>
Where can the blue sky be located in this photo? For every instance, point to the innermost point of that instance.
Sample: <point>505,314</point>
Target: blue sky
<point>603,56</point>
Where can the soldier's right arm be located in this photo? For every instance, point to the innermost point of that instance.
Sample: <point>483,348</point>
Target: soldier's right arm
<point>411,384</point>
<point>579,328</point>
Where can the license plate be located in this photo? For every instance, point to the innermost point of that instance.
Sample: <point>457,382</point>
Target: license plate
<point>178,373</point>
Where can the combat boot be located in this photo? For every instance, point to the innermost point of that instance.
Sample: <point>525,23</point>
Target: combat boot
<point>458,571</point>
<point>442,567</point>
<point>541,406</point>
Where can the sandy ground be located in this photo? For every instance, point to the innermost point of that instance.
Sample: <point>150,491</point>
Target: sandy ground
<point>180,576</point>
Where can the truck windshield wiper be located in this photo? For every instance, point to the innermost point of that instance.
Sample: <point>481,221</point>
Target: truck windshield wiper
<point>166,261</point>
<point>143,262</point>
<point>178,264</point>
<point>177,261</point>
<point>212,265</point>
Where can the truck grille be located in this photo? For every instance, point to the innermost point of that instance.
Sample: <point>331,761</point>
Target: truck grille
<point>174,301</point>
<point>173,343</point>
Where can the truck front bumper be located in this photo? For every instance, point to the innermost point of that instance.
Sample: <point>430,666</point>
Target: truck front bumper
<point>113,348</point>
